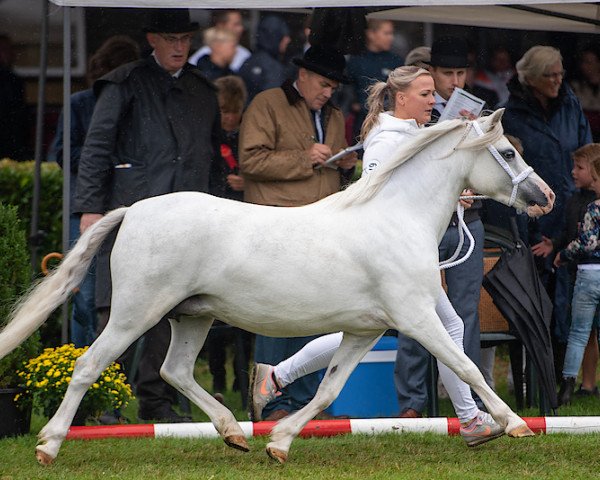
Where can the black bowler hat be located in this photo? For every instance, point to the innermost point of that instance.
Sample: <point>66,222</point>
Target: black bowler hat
<point>449,52</point>
<point>170,20</point>
<point>324,61</point>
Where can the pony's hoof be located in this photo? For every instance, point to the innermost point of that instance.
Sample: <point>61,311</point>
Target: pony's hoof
<point>238,442</point>
<point>43,458</point>
<point>521,431</point>
<point>277,454</point>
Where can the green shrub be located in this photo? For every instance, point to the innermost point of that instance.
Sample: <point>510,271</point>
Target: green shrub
<point>16,188</point>
<point>15,276</point>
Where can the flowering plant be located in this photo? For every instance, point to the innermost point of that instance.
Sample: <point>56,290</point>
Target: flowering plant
<point>46,377</point>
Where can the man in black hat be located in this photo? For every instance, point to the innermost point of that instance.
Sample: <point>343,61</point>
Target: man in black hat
<point>154,131</point>
<point>448,67</point>
<point>286,136</point>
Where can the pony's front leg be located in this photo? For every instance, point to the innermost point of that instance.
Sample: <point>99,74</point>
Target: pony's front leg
<point>110,344</point>
<point>431,334</point>
<point>188,334</point>
<point>352,349</point>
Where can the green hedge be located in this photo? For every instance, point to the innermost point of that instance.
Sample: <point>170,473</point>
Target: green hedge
<point>16,188</point>
<point>15,276</point>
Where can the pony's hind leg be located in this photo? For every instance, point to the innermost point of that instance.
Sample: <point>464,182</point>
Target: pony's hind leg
<point>113,341</point>
<point>352,349</point>
<point>187,337</point>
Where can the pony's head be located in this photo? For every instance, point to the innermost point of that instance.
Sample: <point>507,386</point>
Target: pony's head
<point>501,173</point>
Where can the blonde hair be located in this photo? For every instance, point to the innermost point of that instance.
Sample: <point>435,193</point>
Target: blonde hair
<point>588,153</point>
<point>375,24</point>
<point>535,62</point>
<point>215,34</point>
<point>398,81</point>
<point>595,167</point>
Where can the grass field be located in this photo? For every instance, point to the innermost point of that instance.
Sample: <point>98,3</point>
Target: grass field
<point>409,456</point>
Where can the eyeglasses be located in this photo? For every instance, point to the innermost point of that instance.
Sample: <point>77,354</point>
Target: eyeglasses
<point>173,40</point>
<point>555,75</point>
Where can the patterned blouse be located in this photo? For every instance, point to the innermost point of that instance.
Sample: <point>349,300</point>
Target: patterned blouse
<point>586,247</point>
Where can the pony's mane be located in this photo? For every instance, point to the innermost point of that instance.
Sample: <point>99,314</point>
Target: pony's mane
<point>368,185</point>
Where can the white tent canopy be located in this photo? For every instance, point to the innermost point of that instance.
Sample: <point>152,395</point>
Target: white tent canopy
<point>562,17</point>
<point>289,3</point>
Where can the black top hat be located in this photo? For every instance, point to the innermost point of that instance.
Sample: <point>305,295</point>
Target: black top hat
<point>449,52</point>
<point>170,20</point>
<point>327,62</point>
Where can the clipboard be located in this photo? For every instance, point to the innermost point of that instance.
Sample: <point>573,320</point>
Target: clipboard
<point>334,158</point>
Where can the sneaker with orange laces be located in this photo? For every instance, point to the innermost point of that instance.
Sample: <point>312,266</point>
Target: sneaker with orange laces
<point>263,389</point>
<point>481,429</point>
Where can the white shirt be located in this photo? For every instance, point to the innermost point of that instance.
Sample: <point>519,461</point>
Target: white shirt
<point>241,55</point>
<point>440,103</point>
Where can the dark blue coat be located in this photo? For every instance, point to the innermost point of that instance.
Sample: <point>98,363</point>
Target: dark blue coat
<point>549,138</point>
<point>263,70</point>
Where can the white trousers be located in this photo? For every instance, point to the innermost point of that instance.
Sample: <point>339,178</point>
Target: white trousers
<point>317,355</point>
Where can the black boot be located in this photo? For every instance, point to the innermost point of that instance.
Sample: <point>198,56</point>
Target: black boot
<point>567,387</point>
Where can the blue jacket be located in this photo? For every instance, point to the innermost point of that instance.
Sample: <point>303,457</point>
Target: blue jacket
<point>263,70</point>
<point>549,138</point>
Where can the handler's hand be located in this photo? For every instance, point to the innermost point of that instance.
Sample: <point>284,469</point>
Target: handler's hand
<point>236,182</point>
<point>318,153</point>
<point>464,113</point>
<point>467,202</point>
<point>544,248</point>
<point>87,220</point>
<point>557,261</point>
<point>348,161</point>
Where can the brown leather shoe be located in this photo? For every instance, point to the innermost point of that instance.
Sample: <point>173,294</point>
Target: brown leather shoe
<point>410,413</point>
<point>323,415</point>
<point>276,415</point>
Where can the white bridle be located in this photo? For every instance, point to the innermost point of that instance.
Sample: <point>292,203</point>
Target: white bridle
<point>463,229</point>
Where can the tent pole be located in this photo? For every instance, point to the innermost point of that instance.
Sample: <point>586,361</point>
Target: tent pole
<point>34,233</point>
<point>66,210</point>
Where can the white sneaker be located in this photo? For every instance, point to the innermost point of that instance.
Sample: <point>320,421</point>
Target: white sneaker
<point>263,389</point>
<point>481,429</point>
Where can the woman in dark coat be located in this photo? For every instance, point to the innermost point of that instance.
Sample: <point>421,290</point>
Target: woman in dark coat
<point>545,115</point>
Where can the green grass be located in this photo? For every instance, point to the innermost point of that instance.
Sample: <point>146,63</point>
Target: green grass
<point>405,456</point>
<point>408,456</point>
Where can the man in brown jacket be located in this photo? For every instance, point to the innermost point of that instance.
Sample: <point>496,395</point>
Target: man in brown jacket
<point>287,134</point>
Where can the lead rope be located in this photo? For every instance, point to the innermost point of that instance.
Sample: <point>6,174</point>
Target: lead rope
<point>460,210</point>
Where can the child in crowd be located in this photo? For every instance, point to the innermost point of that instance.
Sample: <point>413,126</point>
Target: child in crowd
<point>231,93</point>
<point>585,250</point>
<point>232,98</point>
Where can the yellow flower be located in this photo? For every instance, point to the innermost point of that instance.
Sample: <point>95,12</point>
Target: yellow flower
<point>95,385</point>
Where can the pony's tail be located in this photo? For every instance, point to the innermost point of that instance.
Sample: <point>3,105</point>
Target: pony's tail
<point>42,299</point>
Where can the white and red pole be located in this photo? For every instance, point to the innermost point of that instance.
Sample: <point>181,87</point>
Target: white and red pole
<point>328,428</point>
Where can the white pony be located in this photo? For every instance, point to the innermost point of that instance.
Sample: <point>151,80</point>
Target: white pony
<point>361,261</point>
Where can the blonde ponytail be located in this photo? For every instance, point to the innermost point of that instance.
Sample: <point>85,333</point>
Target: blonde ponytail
<point>375,105</point>
<point>398,81</point>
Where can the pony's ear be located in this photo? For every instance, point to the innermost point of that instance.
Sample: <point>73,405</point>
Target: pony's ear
<point>492,120</point>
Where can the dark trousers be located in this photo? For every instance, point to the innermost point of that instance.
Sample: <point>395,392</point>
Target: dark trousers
<point>151,390</point>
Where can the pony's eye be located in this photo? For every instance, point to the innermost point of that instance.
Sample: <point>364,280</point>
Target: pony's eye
<point>508,154</point>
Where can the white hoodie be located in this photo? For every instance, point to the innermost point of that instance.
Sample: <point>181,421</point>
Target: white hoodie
<point>384,138</point>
